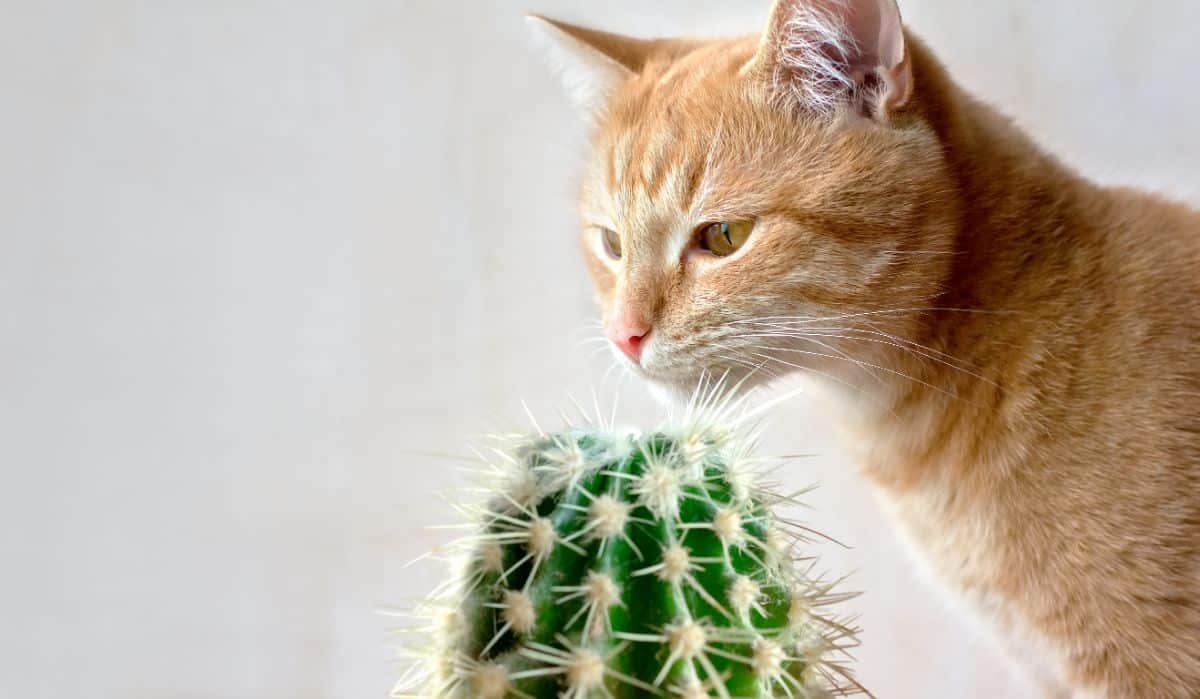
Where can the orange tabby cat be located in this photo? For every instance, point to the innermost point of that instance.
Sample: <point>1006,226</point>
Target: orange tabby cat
<point>1014,345</point>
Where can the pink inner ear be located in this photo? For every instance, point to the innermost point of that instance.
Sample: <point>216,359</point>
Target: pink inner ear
<point>875,29</point>
<point>891,35</point>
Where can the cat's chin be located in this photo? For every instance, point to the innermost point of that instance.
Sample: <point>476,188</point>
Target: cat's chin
<point>679,390</point>
<point>667,394</point>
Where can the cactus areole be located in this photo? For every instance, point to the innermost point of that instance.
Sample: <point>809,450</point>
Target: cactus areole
<point>611,564</point>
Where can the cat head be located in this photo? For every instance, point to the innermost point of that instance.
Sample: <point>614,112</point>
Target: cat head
<point>759,204</point>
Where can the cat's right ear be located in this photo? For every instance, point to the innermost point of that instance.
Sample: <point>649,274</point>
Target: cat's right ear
<point>591,63</point>
<point>822,53</point>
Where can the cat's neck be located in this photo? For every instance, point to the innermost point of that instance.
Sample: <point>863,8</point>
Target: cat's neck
<point>1021,227</point>
<point>1014,198</point>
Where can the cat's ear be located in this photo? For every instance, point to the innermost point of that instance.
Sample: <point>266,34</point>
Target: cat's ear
<point>826,52</point>
<point>591,63</point>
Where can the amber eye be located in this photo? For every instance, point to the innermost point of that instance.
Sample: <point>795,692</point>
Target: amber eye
<point>612,243</point>
<point>726,237</point>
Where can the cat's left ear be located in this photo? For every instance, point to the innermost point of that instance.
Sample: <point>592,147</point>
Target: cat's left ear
<point>827,52</point>
<point>591,63</point>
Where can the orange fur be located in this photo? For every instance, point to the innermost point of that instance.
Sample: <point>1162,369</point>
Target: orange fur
<point>1013,344</point>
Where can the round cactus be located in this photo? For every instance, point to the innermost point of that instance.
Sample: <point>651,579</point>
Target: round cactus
<point>619,564</point>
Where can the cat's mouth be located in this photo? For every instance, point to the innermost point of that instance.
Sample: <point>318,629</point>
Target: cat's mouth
<point>680,372</point>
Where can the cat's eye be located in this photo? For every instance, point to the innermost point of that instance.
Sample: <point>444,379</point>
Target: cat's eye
<point>612,242</point>
<point>724,238</point>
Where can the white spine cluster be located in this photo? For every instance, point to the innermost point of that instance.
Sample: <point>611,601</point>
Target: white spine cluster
<point>816,52</point>
<point>607,517</point>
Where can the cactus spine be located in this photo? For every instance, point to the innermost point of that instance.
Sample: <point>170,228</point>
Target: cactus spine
<point>613,564</point>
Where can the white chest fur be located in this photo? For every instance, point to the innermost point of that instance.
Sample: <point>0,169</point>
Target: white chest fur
<point>957,544</point>
<point>959,553</point>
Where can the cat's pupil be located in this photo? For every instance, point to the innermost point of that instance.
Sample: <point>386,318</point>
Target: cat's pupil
<point>724,238</point>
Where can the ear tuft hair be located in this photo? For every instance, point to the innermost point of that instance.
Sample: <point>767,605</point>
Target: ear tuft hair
<point>815,44</point>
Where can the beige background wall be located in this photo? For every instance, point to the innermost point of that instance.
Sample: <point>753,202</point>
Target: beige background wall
<point>258,256</point>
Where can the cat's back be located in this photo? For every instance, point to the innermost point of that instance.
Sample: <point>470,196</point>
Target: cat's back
<point>1152,263</point>
<point>1140,302</point>
<point>1151,229</point>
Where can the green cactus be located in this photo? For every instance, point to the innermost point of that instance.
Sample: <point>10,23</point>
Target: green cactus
<point>614,564</point>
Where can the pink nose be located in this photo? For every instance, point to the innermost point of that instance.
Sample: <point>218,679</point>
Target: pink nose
<point>628,334</point>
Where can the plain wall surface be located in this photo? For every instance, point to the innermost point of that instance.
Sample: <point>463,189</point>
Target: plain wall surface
<point>261,258</point>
